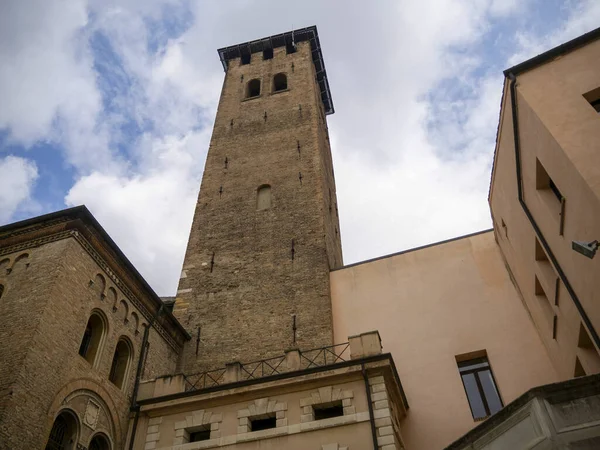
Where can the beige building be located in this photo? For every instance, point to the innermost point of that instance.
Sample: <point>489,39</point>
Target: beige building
<point>483,341</point>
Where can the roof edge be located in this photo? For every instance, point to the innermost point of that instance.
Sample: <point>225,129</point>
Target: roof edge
<point>82,213</point>
<point>566,47</point>
<point>414,249</point>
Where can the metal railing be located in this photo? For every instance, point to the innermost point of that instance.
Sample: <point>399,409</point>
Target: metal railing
<point>316,357</point>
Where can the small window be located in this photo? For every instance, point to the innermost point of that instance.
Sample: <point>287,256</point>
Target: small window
<point>328,411</point>
<point>1,290</point>
<point>253,88</point>
<point>579,371</point>
<point>263,424</point>
<point>120,364</point>
<point>543,181</point>
<point>245,59</point>
<point>593,98</point>
<point>263,197</point>
<point>92,338</point>
<point>480,387</point>
<point>200,434</point>
<point>290,47</point>
<point>268,53</point>
<point>279,82</point>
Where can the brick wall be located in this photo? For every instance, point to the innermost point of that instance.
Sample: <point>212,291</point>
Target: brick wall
<point>243,298</point>
<point>45,310</point>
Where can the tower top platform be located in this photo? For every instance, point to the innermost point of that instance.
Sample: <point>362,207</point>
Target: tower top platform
<point>288,40</point>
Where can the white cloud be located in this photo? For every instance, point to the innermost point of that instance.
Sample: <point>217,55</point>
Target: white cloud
<point>47,83</point>
<point>18,177</point>
<point>148,214</point>
<point>412,137</point>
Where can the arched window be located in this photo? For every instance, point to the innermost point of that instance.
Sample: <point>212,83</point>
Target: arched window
<point>253,88</point>
<point>99,442</point>
<point>63,435</point>
<point>263,197</point>
<point>279,82</point>
<point>120,363</point>
<point>93,337</point>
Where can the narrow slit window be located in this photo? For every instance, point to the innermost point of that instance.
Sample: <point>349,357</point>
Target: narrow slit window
<point>253,88</point>
<point>263,197</point>
<point>1,290</point>
<point>480,387</point>
<point>280,82</point>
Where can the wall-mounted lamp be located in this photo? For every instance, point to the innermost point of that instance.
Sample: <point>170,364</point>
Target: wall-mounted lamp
<point>586,248</point>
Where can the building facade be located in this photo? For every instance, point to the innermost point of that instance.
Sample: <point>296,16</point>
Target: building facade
<point>483,341</point>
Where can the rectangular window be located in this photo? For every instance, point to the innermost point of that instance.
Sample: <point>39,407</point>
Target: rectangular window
<point>201,434</point>
<point>593,98</point>
<point>328,411</point>
<point>480,387</point>
<point>263,424</point>
<point>245,59</point>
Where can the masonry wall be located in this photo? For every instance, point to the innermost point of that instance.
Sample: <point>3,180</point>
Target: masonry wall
<point>559,131</point>
<point>21,306</point>
<point>247,272</point>
<point>52,374</point>
<point>430,306</point>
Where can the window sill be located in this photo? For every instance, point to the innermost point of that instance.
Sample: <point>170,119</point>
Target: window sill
<point>280,91</point>
<point>251,98</point>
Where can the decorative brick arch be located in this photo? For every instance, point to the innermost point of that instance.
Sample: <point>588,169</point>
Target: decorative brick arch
<point>99,398</point>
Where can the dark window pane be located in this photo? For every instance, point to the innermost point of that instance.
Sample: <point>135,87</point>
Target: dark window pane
<point>489,389</point>
<point>473,395</point>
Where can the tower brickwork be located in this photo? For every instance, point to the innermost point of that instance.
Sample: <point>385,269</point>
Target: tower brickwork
<point>265,234</point>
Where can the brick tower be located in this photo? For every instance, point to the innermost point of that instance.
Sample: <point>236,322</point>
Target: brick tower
<point>255,279</point>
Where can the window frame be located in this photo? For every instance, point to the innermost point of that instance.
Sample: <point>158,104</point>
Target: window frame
<point>483,364</point>
<point>247,95</point>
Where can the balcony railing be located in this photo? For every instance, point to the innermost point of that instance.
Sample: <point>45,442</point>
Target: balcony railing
<point>291,361</point>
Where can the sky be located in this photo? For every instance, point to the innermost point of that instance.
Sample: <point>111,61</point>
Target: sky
<point>110,104</point>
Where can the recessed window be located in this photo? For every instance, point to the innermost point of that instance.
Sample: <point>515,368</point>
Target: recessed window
<point>593,98</point>
<point>93,336</point>
<point>200,434</point>
<point>544,182</point>
<point>253,88</point>
<point>579,371</point>
<point>280,82</point>
<point>245,59</point>
<point>327,411</point>
<point>1,290</point>
<point>480,387</point>
<point>587,351</point>
<point>120,363</point>
<point>263,197</point>
<point>268,53</point>
<point>263,423</point>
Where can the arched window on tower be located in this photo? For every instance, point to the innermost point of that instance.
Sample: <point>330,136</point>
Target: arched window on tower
<point>253,88</point>
<point>280,82</point>
<point>263,197</point>
<point>120,364</point>
<point>93,337</point>
<point>63,435</point>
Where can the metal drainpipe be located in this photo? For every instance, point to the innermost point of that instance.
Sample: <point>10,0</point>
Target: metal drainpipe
<point>138,375</point>
<point>371,418</point>
<point>536,228</point>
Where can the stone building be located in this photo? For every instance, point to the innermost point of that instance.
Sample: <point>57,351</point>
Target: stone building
<point>483,341</point>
